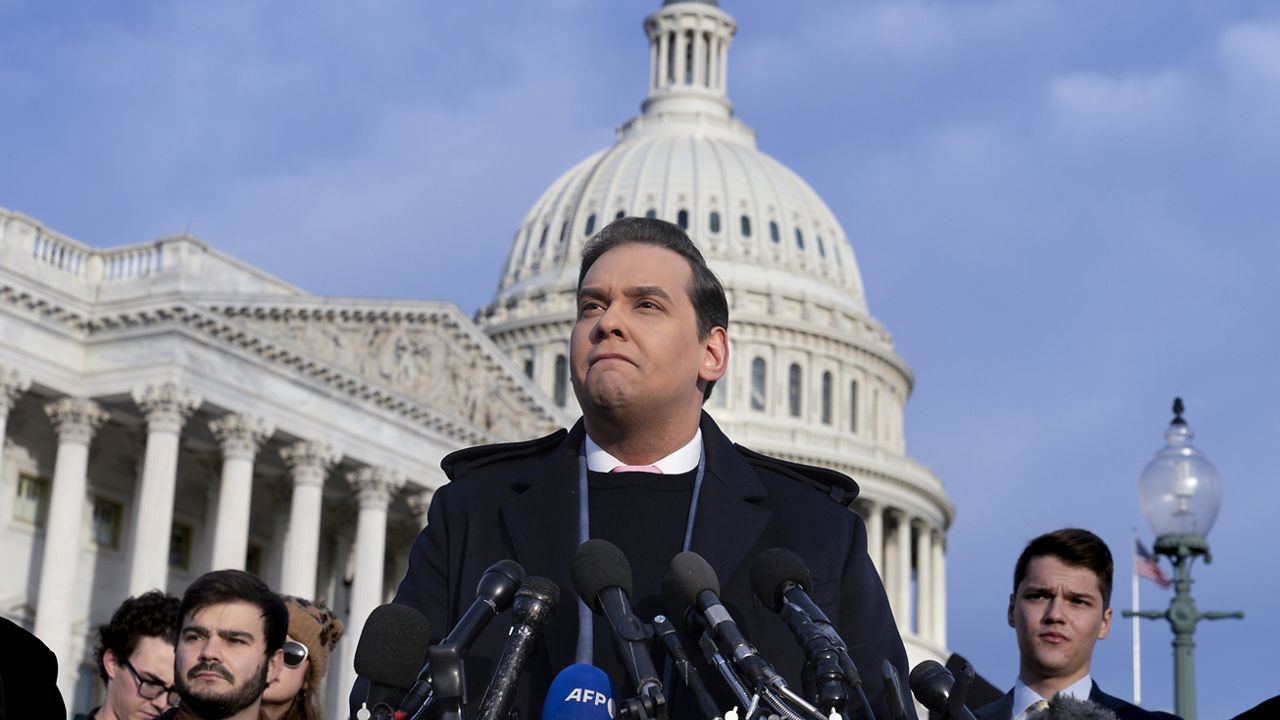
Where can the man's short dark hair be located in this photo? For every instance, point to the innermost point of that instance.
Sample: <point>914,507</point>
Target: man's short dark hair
<point>151,614</point>
<point>228,586</point>
<point>1072,546</point>
<point>706,293</point>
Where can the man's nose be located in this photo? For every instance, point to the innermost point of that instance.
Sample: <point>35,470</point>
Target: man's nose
<point>1053,610</point>
<point>609,322</point>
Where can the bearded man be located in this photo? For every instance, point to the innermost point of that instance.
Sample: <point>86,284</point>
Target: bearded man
<point>229,647</point>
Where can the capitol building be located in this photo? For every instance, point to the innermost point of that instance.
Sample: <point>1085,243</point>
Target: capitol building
<point>167,409</point>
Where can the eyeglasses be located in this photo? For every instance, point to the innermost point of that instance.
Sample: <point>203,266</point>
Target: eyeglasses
<point>150,689</point>
<point>294,653</point>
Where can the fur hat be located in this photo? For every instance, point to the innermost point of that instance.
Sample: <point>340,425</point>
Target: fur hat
<point>313,625</point>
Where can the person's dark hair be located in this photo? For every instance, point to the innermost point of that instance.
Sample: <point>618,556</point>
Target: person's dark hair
<point>710,306</point>
<point>151,614</point>
<point>227,586</point>
<point>1072,546</point>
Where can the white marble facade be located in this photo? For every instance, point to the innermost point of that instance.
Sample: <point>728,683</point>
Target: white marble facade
<point>166,409</point>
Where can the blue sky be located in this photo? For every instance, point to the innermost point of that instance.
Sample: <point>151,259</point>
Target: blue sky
<point>1066,212</point>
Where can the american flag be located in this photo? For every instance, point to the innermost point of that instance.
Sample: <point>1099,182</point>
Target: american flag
<point>1145,565</point>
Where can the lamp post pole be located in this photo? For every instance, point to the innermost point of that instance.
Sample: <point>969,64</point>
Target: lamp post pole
<point>1180,492</point>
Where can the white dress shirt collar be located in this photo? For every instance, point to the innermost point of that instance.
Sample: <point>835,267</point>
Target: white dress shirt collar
<point>1024,697</point>
<point>681,461</point>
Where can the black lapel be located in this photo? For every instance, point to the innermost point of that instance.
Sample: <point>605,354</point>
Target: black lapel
<point>543,526</point>
<point>728,523</point>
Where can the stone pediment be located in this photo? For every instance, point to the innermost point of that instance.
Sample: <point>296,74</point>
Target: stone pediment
<point>428,354</point>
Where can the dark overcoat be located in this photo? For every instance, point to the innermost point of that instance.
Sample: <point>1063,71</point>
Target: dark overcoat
<point>520,501</point>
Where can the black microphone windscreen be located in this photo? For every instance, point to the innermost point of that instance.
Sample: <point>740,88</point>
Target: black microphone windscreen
<point>772,569</point>
<point>393,645</point>
<point>931,684</point>
<point>693,575</point>
<point>599,564</point>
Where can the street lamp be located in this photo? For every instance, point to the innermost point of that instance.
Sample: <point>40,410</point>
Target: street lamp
<point>1180,492</point>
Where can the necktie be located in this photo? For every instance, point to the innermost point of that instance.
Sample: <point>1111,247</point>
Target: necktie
<point>651,469</point>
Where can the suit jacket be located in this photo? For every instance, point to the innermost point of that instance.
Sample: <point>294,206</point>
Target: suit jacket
<point>520,501</point>
<point>1002,709</point>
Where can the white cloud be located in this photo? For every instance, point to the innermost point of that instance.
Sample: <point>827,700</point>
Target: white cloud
<point>1250,55</point>
<point>1123,103</point>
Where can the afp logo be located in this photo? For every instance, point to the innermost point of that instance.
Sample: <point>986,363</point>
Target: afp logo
<point>587,696</point>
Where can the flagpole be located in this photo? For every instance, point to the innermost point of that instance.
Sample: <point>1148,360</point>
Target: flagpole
<point>1137,643</point>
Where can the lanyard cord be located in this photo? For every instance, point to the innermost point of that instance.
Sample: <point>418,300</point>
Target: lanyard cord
<point>585,627</point>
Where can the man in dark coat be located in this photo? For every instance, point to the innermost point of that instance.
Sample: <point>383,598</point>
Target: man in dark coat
<point>28,675</point>
<point>1060,607</point>
<point>660,477</point>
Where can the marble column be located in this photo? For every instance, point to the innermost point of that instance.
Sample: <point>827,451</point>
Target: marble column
<point>309,463</point>
<point>240,437</point>
<point>167,408</point>
<point>373,487</point>
<point>724,64</point>
<point>664,55</point>
<point>902,573</point>
<point>940,590</point>
<point>12,385</point>
<point>682,44</point>
<point>875,536</point>
<point>420,504</point>
<point>76,420</point>
<point>924,581</point>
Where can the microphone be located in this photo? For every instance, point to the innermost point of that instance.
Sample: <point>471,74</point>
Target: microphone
<point>602,576</point>
<point>697,581</point>
<point>441,676</point>
<point>687,672</point>
<point>781,580</point>
<point>579,692</point>
<point>893,686</point>
<point>534,604</point>
<point>393,645</point>
<point>937,689</point>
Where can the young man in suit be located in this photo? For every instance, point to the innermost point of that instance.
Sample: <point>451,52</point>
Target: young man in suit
<point>659,477</point>
<point>1059,609</point>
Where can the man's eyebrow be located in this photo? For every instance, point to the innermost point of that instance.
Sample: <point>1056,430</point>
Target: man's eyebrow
<point>647,291</point>
<point>195,628</point>
<point>235,635</point>
<point>592,292</point>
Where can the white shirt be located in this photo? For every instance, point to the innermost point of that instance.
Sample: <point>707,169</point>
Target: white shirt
<point>681,461</point>
<point>1024,697</point>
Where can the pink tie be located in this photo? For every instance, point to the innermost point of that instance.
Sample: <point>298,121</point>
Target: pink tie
<point>651,469</point>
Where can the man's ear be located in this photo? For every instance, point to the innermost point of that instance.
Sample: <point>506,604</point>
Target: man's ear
<point>1106,624</point>
<point>1009,612</point>
<point>110,662</point>
<point>715,355</point>
<point>275,664</point>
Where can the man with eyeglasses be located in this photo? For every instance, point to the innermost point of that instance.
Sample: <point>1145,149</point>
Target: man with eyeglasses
<point>135,659</point>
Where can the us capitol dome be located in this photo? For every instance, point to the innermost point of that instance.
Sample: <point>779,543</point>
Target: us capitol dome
<point>813,376</point>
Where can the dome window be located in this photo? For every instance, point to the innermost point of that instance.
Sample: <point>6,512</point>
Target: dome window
<point>562,381</point>
<point>773,232</point>
<point>799,239</point>
<point>757,384</point>
<point>715,221</point>
<point>853,406</point>
<point>564,232</point>
<point>793,390</point>
<point>682,219</point>
<point>746,226</point>
<point>621,214</point>
<point>822,249</point>
<point>826,398</point>
<point>651,213</point>
<point>591,225</point>
<point>543,242</point>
